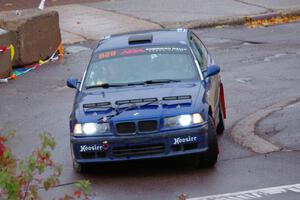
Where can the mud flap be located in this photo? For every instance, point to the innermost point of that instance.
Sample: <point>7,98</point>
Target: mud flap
<point>222,98</point>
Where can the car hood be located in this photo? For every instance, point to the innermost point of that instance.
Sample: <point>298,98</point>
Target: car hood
<point>193,92</point>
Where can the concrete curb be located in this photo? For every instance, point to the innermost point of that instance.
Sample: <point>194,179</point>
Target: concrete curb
<point>243,132</point>
<point>236,20</point>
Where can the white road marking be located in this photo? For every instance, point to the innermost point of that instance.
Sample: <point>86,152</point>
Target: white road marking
<point>252,194</point>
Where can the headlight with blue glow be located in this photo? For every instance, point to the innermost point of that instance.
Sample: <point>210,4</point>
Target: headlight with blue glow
<point>183,120</point>
<point>91,129</point>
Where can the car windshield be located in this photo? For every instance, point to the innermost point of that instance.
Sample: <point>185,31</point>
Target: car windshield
<point>145,65</point>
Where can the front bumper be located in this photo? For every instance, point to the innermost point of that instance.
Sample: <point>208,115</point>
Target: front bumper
<point>155,145</point>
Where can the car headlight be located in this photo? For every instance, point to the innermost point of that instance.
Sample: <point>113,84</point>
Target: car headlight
<point>183,120</point>
<point>90,128</point>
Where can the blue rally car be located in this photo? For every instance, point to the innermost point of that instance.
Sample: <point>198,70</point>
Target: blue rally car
<point>150,94</point>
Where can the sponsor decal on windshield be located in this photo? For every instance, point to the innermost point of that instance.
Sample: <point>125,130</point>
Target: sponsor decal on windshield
<point>182,140</point>
<point>132,51</point>
<point>107,54</point>
<point>163,49</point>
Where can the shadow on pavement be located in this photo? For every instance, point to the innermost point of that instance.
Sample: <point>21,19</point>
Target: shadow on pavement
<point>154,167</point>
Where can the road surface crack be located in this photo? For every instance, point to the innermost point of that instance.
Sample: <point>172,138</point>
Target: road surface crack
<point>255,5</point>
<point>82,36</point>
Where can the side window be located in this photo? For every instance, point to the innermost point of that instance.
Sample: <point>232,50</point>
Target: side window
<point>198,55</point>
<point>201,48</point>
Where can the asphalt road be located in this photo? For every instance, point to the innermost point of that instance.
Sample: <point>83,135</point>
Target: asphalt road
<point>259,67</point>
<point>286,133</point>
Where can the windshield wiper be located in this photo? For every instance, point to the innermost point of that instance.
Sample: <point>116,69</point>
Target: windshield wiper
<point>105,85</point>
<point>136,83</point>
<point>118,111</point>
<point>161,81</point>
<point>153,81</point>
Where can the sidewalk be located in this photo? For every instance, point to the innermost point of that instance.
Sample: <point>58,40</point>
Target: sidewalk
<point>174,13</point>
<point>79,23</point>
<point>90,21</point>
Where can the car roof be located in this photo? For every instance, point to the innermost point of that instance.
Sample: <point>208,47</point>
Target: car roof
<point>161,37</point>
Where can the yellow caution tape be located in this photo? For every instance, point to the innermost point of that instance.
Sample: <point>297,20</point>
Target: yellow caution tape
<point>12,52</point>
<point>60,51</point>
<point>41,62</point>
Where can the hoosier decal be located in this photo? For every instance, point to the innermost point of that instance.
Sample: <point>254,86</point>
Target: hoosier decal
<point>180,140</point>
<point>91,148</point>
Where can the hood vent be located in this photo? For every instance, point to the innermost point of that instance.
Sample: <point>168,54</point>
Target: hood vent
<point>107,105</point>
<point>96,105</point>
<point>177,97</point>
<point>121,102</point>
<point>140,39</point>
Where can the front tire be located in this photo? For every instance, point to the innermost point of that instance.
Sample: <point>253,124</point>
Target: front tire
<point>79,168</point>
<point>210,157</point>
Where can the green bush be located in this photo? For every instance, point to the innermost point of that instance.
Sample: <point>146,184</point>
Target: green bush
<point>23,179</point>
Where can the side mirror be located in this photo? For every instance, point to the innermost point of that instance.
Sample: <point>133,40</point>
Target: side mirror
<point>212,70</point>
<point>72,82</point>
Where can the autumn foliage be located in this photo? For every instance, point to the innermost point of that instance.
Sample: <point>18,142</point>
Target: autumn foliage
<point>23,179</point>
<point>271,21</point>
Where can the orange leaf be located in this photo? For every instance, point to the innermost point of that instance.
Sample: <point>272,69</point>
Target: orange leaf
<point>77,194</point>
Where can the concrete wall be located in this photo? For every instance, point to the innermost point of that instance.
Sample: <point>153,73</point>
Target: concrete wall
<point>5,61</point>
<point>35,34</point>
